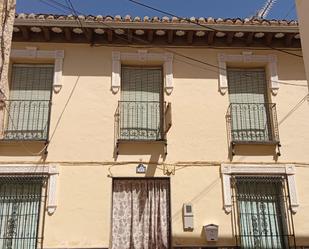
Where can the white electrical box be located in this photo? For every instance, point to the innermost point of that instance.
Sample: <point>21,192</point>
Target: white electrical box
<point>211,232</point>
<point>187,216</point>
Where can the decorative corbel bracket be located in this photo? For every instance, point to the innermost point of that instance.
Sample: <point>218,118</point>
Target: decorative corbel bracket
<point>52,189</point>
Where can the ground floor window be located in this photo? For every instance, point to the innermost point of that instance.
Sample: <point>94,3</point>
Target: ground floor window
<point>261,210</point>
<point>141,214</point>
<point>21,201</point>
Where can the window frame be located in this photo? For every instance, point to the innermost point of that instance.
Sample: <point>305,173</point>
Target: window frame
<point>288,170</point>
<point>7,117</point>
<point>284,234</point>
<point>161,102</point>
<point>35,203</point>
<point>52,170</point>
<point>246,58</point>
<point>142,56</point>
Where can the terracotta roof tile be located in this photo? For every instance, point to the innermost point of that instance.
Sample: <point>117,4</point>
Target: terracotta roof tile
<point>165,19</point>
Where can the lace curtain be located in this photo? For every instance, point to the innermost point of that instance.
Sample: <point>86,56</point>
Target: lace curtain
<point>140,217</point>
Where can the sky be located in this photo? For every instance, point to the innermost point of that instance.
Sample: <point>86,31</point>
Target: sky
<point>282,9</point>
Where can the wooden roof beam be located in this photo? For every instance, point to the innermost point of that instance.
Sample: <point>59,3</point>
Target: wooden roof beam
<point>68,34</point>
<point>210,37</point>
<point>289,39</point>
<point>130,35</point>
<point>150,35</point>
<point>269,38</point>
<point>170,36</point>
<point>109,35</point>
<point>89,34</point>
<point>25,33</point>
<point>229,37</point>
<point>190,37</point>
<point>46,33</point>
<point>249,38</point>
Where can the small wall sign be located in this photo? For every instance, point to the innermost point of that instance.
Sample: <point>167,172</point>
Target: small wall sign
<point>141,169</point>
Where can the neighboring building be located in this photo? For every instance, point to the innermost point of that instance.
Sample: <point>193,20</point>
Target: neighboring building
<point>137,133</point>
<point>302,10</point>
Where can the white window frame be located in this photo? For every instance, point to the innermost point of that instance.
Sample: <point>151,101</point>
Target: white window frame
<point>33,53</point>
<point>166,59</point>
<point>227,170</point>
<point>270,61</point>
<point>37,169</point>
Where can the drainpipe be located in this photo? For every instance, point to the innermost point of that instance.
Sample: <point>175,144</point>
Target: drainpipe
<point>7,16</point>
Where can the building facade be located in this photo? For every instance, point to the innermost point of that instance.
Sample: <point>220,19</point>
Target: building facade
<point>154,133</point>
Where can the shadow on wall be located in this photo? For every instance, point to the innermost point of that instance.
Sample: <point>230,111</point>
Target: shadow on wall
<point>156,150</point>
<point>199,241</point>
<point>24,148</point>
<point>253,150</point>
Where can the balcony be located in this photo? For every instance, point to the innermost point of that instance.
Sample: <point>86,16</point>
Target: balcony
<point>142,121</point>
<point>25,120</point>
<point>252,123</point>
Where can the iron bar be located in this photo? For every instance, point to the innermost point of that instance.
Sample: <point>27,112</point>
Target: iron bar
<point>21,200</point>
<point>252,123</point>
<point>27,120</point>
<point>139,120</point>
<point>262,216</point>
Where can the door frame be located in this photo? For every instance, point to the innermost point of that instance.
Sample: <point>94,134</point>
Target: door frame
<point>146,179</point>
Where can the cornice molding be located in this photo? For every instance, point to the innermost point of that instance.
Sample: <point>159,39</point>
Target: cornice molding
<point>166,59</point>
<point>38,169</point>
<point>159,25</point>
<point>269,60</point>
<point>33,53</point>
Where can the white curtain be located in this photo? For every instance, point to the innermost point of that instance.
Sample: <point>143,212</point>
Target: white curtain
<point>140,217</point>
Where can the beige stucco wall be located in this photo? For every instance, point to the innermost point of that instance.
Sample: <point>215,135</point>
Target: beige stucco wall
<point>302,7</point>
<point>83,145</point>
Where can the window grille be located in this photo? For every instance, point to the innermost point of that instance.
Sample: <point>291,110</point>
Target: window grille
<point>141,106</point>
<point>28,108</point>
<point>250,112</point>
<point>262,218</point>
<point>21,201</point>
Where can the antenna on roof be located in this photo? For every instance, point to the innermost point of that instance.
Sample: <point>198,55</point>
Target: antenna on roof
<point>263,12</point>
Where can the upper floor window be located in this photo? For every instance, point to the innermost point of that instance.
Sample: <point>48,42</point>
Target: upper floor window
<point>140,110</point>
<point>251,116</point>
<point>28,107</point>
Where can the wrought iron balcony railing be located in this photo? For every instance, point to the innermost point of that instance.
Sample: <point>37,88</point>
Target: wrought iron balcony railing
<point>26,120</point>
<point>252,123</point>
<point>141,121</point>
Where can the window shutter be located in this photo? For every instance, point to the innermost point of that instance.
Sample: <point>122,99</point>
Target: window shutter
<point>141,102</point>
<point>249,104</point>
<point>30,93</point>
